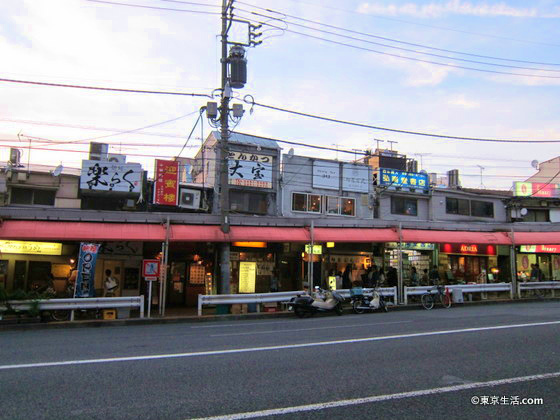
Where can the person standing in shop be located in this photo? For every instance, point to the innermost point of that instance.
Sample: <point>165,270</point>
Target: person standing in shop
<point>347,277</point>
<point>110,285</point>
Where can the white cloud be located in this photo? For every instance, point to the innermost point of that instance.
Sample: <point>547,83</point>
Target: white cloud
<point>457,7</point>
<point>462,102</point>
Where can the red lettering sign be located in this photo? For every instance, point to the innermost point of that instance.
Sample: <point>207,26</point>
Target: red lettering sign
<point>470,249</point>
<point>166,187</point>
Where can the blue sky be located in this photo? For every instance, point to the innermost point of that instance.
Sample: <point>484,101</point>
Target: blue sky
<point>81,42</point>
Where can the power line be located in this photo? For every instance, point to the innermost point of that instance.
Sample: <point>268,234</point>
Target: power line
<point>114,3</point>
<point>407,43</point>
<point>102,88</point>
<point>394,130</point>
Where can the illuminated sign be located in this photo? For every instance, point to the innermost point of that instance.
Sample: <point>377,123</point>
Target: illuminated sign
<point>100,175</point>
<point>393,178</point>
<point>250,170</point>
<point>317,249</point>
<point>250,244</point>
<point>412,245</point>
<point>36,248</point>
<point>166,185</point>
<point>536,189</point>
<point>544,249</point>
<point>469,249</point>
<point>332,282</point>
<point>247,276</point>
<point>330,244</point>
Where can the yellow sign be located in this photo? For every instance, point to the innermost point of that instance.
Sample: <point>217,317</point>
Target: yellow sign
<point>24,247</point>
<point>332,282</point>
<point>247,276</point>
<point>330,244</point>
<point>317,249</point>
<point>250,244</point>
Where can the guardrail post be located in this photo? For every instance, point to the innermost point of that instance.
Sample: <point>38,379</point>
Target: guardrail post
<point>406,295</point>
<point>199,305</point>
<point>511,291</point>
<point>519,290</point>
<point>141,306</point>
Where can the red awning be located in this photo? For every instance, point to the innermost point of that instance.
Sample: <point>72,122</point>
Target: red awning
<point>537,238</point>
<point>213,233</point>
<point>455,237</point>
<point>80,231</point>
<point>354,235</point>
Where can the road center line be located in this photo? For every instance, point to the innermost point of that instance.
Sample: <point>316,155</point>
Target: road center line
<point>308,329</point>
<point>378,398</point>
<point>280,347</point>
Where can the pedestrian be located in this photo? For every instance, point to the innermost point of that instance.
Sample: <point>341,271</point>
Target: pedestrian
<point>110,285</point>
<point>534,272</point>
<point>347,277</point>
<point>338,280</point>
<point>540,274</point>
<point>425,280</point>
<point>413,277</point>
<point>381,277</point>
<point>274,280</point>
<point>434,276</point>
<point>392,277</point>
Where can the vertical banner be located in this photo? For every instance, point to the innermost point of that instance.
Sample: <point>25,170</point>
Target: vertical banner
<point>166,188</point>
<point>85,281</point>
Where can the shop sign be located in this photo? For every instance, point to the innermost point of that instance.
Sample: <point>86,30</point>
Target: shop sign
<point>247,276</point>
<point>317,249</point>
<point>99,175</point>
<point>355,178</point>
<point>250,170</point>
<point>326,175</point>
<point>150,268</point>
<point>540,249</point>
<point>393,178</point>
<point>85,281</point>
<point>35,248</point>
<point>166,187</point>
<point>468,249</point>
<point>536,189</point>
<point>121,248</point>
<point>332,282</point>
<point>421,246</point>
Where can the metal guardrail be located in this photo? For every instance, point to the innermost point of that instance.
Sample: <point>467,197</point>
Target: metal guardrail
<point>79,303</point>
<point>466,288</point>
<point>539,285</point>
<point>272,297</point>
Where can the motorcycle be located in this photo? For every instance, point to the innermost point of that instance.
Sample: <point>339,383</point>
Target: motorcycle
<point>320,301</point>
<point>362,302</point>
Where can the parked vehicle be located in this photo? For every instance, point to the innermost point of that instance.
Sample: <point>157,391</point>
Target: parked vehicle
<point>319,301</point>
<point>362,302</point>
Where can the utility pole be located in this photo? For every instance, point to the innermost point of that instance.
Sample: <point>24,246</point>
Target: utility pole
<point>223,154</point>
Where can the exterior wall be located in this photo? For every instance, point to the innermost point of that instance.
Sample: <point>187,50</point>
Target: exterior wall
<point>385,207</point>
<point>66,186</point>
<point>297,177</point>
<point>438,207</point>
<point>554,215</point>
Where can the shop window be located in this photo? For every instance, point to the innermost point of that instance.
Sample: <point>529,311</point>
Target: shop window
<point>482,208</point>
<point>348,206</point>
<point>314,203</point>
<point>299,202</point>
<point>30,196</point>
<point>333,205</point>
<point>457,206</point>
<point>248,202</point>
<point>405,206</point>
<point>536,216</point>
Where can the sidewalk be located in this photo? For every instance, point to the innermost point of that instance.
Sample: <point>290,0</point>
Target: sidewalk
<point>188,315</point>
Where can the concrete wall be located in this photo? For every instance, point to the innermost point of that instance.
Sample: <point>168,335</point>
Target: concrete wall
<point>297,176</point>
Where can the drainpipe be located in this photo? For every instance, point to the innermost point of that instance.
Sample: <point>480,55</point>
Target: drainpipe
<point>400,268</point>
<point>310,267</point>
<point>513,264</point>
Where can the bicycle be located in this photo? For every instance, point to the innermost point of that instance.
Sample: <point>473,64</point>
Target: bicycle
<point>443,295</point>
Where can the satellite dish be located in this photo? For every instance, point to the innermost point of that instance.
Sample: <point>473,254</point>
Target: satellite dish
<point>535,164</point>
<point>57,171</point>
<point>291,152</point>
<point>523,212</point>
<point>423,171</point>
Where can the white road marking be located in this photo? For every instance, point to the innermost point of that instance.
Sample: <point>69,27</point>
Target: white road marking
<point>242,324</point>
<point>378,398</point>
<point>307,329</point>
<point>280,347</point>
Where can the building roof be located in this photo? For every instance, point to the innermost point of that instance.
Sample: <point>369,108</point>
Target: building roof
<point>38,168</point>
<point>248,139</point>
<point>549,172</point>
<point>482,191</point>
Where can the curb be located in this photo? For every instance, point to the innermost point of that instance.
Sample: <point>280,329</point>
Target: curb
<point>229,317</point>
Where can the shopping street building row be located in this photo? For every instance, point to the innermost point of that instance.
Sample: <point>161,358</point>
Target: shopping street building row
<point>376,210</point>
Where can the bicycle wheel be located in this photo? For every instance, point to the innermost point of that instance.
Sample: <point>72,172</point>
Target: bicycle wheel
<point>60,315</point>
<point>445,300</point>
<point>427,301</point>
<point>356,306</point>
<point>338,308</point>
<point>300,313</point>
<point>539,293</point>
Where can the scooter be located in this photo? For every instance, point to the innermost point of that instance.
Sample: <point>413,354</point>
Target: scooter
<point>363,302</point>
<point>320,301</point>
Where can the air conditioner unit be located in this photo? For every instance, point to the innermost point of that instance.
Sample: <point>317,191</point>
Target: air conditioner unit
<point>189,199</point>
<point>116,158</point>
<point>98,151</point>
<point>15,156</point>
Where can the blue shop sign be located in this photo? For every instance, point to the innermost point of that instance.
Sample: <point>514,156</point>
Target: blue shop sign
<point>394,178</point>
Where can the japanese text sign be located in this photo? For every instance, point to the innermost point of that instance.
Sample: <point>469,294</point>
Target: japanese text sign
<point>535,189</point>
<point>326,175</point>
<point>102,175</point>
<point>250,170</point>
<point>247,277</point>
<point>166,187</point>
<point>394,178</point>
<point>355,178</point>
<point>85,279</point>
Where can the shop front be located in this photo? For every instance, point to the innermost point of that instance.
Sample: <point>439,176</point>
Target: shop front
<point>546,256</point>
<point>468,263</point>
<point>420,255</point>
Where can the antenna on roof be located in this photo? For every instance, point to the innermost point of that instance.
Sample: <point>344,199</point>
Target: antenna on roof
<point>57,171</point>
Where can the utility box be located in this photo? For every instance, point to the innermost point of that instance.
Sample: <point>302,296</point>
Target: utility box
<point>458,296</point>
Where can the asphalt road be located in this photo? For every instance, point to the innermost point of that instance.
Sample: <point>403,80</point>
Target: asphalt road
<point>402,364</point>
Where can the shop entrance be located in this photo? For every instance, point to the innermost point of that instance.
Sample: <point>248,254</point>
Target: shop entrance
<point>468,269</point>
<point>116,268</point>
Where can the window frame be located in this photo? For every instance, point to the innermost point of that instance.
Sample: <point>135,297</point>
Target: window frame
<point>404,200</point>
<point>293,201</point>
<point>491,203</point>
<point>457,207</point>
<point>309,195</point>
<point>33,191</point>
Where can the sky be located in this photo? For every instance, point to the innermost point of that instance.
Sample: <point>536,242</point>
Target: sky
<point>378,75</point>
